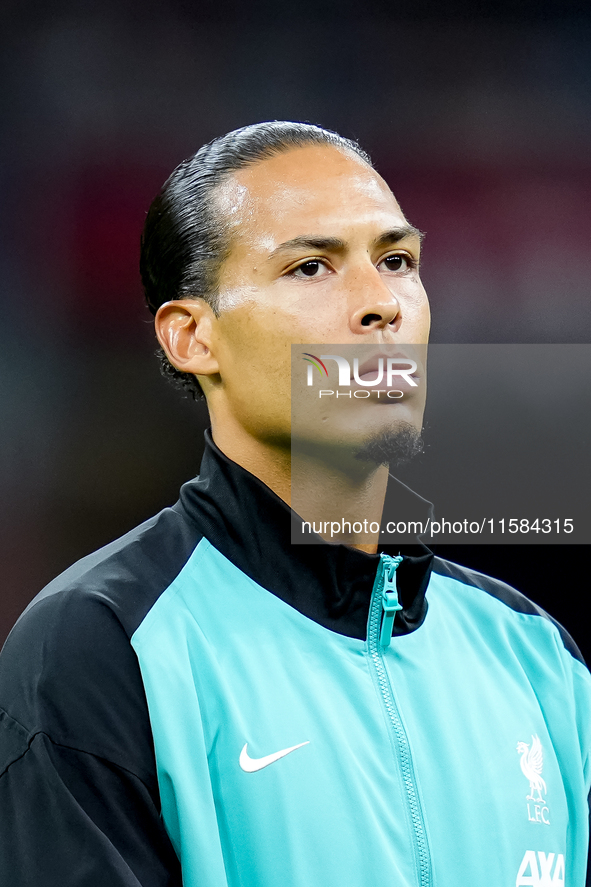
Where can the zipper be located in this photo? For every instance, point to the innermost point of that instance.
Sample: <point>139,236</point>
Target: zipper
<point>390,604</point>
<point>383,608</point>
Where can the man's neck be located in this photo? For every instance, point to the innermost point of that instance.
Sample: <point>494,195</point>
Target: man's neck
<point>340,496</point>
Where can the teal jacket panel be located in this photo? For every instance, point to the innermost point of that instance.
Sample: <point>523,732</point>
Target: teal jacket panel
<point>288,754</point>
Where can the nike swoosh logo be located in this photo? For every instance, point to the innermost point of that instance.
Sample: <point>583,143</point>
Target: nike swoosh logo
<point>251,765</point>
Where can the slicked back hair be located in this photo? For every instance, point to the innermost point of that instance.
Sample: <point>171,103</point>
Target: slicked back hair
<point>185,239</point>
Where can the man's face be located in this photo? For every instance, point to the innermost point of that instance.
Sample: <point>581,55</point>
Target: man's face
<point>321,253</point>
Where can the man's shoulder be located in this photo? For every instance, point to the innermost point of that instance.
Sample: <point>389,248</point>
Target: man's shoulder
<point>513,600</point>
<point>68,669</point>
<point>126,576</point>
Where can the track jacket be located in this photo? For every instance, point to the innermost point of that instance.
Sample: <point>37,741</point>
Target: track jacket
<point>201,696</point>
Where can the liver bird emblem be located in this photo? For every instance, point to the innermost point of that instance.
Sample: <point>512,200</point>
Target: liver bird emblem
<point>532,761</point>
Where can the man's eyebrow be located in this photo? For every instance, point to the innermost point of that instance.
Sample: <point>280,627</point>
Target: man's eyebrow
<point>397,234</point>
<point>319,243</point>
<point>335,244</point>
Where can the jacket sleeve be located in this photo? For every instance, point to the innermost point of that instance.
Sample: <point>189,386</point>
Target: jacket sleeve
<point>79,801</point>
<point>588,880</point>
<point>71,818</point>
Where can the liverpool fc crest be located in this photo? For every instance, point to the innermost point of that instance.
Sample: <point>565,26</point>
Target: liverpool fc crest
<point>532,763</point>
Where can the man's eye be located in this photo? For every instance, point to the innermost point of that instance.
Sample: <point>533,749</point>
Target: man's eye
<point>397,263</point>
<point>313,268</point>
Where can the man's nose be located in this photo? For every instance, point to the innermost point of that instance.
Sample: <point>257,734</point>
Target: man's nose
<point>375,308</point>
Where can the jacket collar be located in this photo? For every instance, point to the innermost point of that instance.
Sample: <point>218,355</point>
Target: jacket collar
<point>329,583</point>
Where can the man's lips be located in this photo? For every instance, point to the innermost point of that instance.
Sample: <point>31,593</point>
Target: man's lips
<point>369,372</point>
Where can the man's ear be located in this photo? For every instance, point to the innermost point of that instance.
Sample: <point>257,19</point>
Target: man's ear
<point>184,329</point>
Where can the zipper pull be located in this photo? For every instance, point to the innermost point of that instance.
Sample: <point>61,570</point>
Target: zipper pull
<point>390,604</point>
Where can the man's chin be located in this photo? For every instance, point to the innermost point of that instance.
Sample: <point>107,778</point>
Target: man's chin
<point>392,446</point>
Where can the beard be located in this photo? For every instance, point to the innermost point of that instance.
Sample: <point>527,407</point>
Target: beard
<point>393,446</point>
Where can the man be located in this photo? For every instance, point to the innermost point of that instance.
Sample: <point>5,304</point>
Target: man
<point>203,700</point>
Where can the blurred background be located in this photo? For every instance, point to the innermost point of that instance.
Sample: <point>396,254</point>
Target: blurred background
<point>477,114</point>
